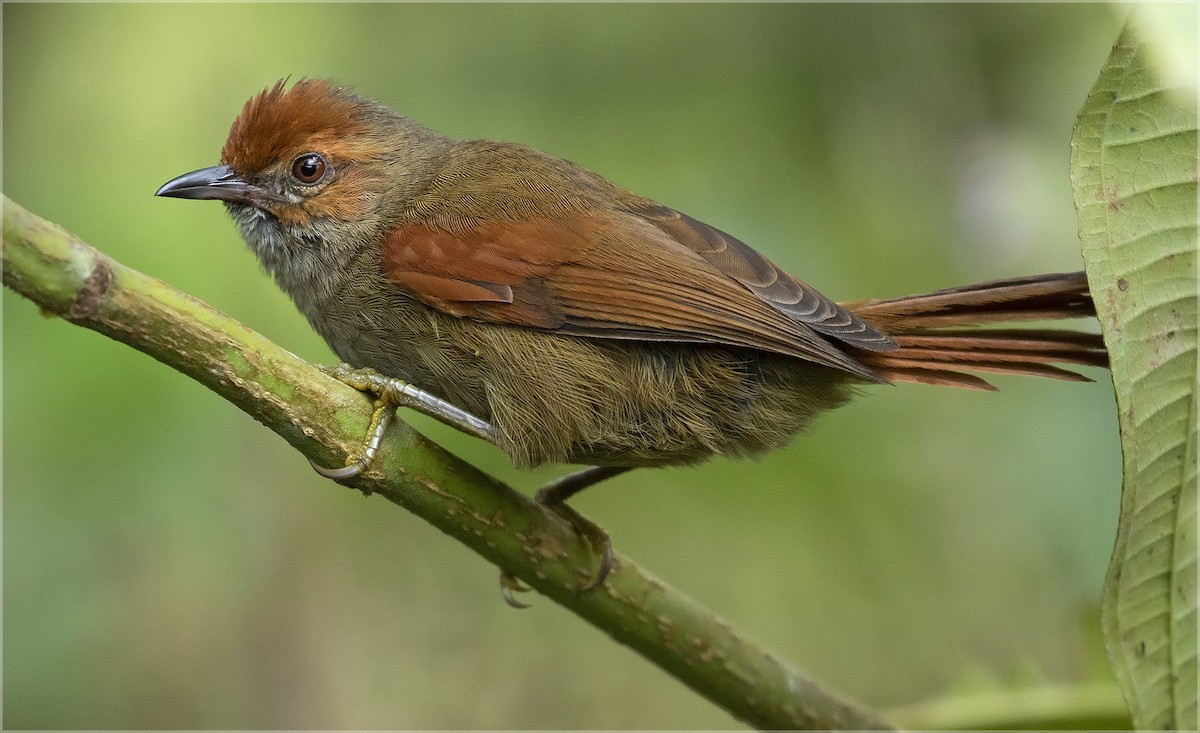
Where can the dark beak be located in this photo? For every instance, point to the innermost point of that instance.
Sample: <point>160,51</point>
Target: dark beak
<point>218,182</point>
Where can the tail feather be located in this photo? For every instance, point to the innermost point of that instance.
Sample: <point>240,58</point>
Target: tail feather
<point>977,318</point>
<point>932,347</point>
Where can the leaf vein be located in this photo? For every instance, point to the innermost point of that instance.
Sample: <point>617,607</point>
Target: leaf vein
<point>1152,189</point>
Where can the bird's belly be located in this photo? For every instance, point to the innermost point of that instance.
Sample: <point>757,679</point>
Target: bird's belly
<point>413,343</point>
<point>553,398</point>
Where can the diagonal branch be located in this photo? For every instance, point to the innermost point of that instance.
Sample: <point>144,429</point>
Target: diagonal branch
<point>326,421</point>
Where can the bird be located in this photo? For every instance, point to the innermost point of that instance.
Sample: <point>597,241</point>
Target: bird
<point>533,303</point>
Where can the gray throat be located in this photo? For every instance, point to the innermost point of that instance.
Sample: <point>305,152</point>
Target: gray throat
<point>303,267</point>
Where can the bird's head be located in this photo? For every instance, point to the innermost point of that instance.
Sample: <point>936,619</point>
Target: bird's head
<point>314,173</point>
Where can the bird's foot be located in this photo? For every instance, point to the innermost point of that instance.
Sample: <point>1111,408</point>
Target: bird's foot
<point>553,496</point>
<point>391,393</point>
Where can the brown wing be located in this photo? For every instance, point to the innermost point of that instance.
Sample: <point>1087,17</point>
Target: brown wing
<point>622,275</point>
<point>773,286</point>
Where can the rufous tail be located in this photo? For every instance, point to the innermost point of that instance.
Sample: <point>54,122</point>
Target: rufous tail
<point>938,340</point>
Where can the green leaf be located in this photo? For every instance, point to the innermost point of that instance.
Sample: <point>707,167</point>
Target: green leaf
<point>1133,168</point>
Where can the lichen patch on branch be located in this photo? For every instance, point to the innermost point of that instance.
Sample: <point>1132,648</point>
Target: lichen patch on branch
<point>87,300</point>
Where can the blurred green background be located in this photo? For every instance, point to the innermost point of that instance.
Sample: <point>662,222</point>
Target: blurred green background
<point>170,563</point>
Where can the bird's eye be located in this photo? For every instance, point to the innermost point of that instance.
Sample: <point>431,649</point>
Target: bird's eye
<point>309,168</point>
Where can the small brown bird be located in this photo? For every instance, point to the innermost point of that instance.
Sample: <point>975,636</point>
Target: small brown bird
<point>567,320</point>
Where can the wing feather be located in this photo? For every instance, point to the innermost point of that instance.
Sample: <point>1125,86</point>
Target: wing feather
<point>624,275</point>
<point>773,286</point>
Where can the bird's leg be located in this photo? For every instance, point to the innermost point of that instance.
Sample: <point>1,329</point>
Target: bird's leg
<point>392,393</point>
<point>554,496</point>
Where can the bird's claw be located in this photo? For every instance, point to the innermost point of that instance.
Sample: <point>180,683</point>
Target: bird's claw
<point>596,537</point>
<point>339,474</point>
<point>606,563</point>
<point>508,585</point>
<point>372,382</point>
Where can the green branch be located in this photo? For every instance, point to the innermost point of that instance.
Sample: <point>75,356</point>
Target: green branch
<point>326,421</point>
<point>1095,706</point>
